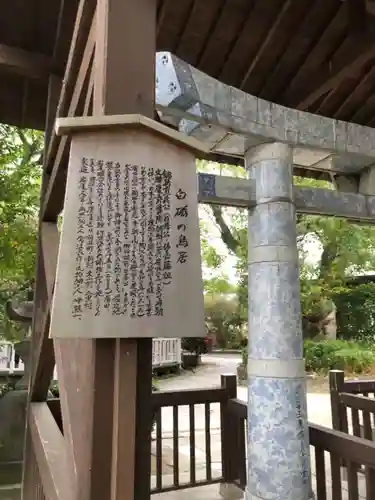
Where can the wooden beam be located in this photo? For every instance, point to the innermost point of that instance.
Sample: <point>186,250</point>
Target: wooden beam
<point>298,44</point>
<point>49,449</point>
<point>237,192</point>
<point>50,239</point>
<point>45,359</point>
<point>123,78</point>
<point>355,49</point>
<point>124,83</point>
<point>42,358</point>
<point>54,196</point>
<point>28,64</point>
<point>349,105</point>
<point>82,26</point>
<point>351,57</point>
<point>265,44</point>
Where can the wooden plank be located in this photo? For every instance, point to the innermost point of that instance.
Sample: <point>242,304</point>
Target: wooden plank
<point>124,77</point>
<point>31,482</point>
<point>268,39</point>
<point>89,99</point>
<point>353,56</point>
<point>49,448</point>
<point>358,402</point>
<point>317,56</point>
<point>162,399</point>
<point>124,413</point>
<point>74,363</point>
<point>359,386</point>
<point>124,83</point>
<point>50,238</point>
<point>350,448</point>
<point>54,196</point>
<point>27,63</point>
<point>355,51</point>
<point>65,126</point>
<point>82,26</point>
<point>45,359</point>
<point>42,358</point>
<point>54,88</point>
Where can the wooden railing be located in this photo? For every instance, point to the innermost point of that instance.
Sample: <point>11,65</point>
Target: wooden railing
<point>352,405</point>
<point>181,409</point>
<point>329,448</point>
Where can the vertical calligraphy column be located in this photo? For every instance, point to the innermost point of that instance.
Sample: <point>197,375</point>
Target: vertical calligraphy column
<point>181,216</point>
<point>100,237</point>
<point>159,310</point>
<point>117,260</point>
<point>109,211</point>
<point>278,458</point>
<point>125,229</point>
<point>135,225</point>
<point>90,247</point>
<point>150,247</point>
<point>167,228</point>
<point>141,302</point>
<point>78,298</point>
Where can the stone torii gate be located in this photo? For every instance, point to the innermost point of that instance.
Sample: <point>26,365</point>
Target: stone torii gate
<point>273,140</point>
<point>104,453</point>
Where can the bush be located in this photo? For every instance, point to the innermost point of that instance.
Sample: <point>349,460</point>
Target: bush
<point>356,312</point>
<point>352,357</point>
<point>223,320</point>
<point>338,355</point>
<point>195,345</point>
<point>6,387</point>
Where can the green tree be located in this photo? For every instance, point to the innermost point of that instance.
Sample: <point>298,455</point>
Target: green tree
<point>346,249</point>
<point>20,173</point>
<point>223,320</point>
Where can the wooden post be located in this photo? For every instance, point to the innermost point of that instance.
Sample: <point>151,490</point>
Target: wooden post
<point>229,441</point>
<point>124,83</point>
<point>338,410</point>
<point>336,383</point>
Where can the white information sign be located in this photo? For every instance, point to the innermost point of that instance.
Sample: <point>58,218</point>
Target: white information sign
<point>129,261</point>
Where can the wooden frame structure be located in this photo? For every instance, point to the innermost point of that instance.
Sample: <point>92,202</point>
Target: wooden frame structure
<point>104,451</point>
<point>104,75</point>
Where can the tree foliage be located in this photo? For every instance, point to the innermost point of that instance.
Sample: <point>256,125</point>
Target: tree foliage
<point>343,249</point>
<point>20,172</point>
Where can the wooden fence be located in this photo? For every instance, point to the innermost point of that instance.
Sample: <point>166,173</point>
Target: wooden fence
<point>352,405</point>
<point>329,447</point>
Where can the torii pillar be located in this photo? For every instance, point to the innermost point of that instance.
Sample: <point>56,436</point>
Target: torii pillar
<point>278,445</point>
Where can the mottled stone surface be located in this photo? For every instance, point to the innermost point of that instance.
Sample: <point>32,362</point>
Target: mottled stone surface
<point>209,109</point>
<point>237,192</point>
<point>278,451</point>
<point>274,311</point>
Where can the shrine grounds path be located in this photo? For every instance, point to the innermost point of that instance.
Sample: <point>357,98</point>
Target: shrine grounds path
<point>213,365</point>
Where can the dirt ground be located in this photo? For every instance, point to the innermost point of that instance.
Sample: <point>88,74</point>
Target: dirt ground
<point>319,383</point>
